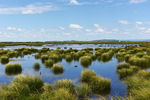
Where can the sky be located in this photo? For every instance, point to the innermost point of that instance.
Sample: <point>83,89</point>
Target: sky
<point>84,20</point>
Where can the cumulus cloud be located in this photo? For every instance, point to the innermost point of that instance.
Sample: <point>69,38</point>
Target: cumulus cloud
<point>14,29</point>
<point>137,1</point>
<point>139,23</point>
<point>87,30</point>
<point>123,22</point>
<point>36,8</point>
<point>61,28</point>
<point>75,26</point>
<point>148,30</point>
<point>98,28</point>
<point>74,2</point>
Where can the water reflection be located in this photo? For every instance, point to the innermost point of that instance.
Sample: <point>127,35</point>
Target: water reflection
<point>72,71</point>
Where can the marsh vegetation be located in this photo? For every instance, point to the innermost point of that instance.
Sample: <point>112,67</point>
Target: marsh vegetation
<point>92,77</point>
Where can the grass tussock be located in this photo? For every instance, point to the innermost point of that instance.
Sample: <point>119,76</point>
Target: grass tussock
<point>83,90</point>
<point>13,69</point>
<point>98,84</point>
<point>86,75</point>
<point>49,63</point>
<point>86,61</point>
<point>4,59</point>
<point>36,66</point>
<point>66,84</point>
<point>57,69</point>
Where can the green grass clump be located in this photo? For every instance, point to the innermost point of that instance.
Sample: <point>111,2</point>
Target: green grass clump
<point>47,87</point>
<point>60,94</point>
<point>49,63</point>
<point>56,57</point>
<point>138,86</point>
<point>37,56</point>
<point>141,62</point>
<point>21,88</point>
<point>34,83</point>
<point>123,65</point>
<point>124,72</point>
<point>36,66</point>
<point>83,90</point>
<point>14,92</point>
<point>100,85</point>
<point>86,61</point>
<point>4,59</point>
<point>68,58</point>
<point>106,57</point>
<point>13,69</point>
<point>57,69</point>
<point>86,75</point>
<point>44,58</point>
<point>76,56</point>
<point>66,84</point>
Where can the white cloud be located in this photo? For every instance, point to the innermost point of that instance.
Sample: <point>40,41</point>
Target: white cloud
<point>75,26</point>
<point>123,22</point>
<point>98,28</point>
<point>61,28</point>
<point>139,23</point>
<point>147,30</point>
<point>74,2</point>
<point>87,30</point>
<point>14,29</point>
<point>137,1</point>
<point>36,8</point>
<point>141,28</point>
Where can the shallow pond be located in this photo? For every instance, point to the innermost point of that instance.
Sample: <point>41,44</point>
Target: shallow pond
<point>72,71</point>
<point>74,46</point>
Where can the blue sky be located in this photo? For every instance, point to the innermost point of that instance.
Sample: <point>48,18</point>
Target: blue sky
<point>49,20</point>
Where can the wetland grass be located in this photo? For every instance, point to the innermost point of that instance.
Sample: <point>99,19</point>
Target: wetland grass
<point>106,57</point>
<point>86,61</point>
<point>68,57</point>
<point>13,69</point>
<point>34,83</point>
<point>140,62</point>
<point>86,75</point>
<point>49,63</point>
<point>100,85</point>
<point>36,66</point>
<point>60,94</point>
<point>4,59</point>
<point>21,88</point>
<point>83,90</point>
<point>57,69</point>
<point>65,84</point>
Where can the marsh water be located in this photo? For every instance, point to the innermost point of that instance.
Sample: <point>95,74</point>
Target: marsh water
<point>73,46</point>
<point>72,70</point>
